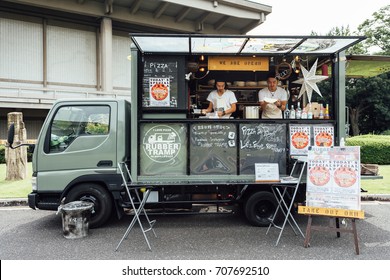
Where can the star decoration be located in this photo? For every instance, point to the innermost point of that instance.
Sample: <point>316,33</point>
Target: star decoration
<point>309,81</point>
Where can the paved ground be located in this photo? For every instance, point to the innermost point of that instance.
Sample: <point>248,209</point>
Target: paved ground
<point>29,234</point>
<point>23,201</point>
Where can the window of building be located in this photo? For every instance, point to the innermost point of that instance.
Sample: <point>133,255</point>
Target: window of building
<point>21,53</point>
<point>71,56</point>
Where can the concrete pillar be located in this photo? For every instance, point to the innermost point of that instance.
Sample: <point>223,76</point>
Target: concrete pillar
<point>106,54</point>
<point>16,159</point>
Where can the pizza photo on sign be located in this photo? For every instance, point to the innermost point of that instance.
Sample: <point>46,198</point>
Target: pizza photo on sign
<point>319,175</point>
<point>345,177</point>
<point>324,139</point>
<point>159,91</point>
<point>300,140</point>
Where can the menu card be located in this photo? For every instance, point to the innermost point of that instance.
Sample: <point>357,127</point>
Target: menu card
<point>267,172</point>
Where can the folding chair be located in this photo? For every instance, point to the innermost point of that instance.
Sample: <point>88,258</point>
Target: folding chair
<point>137,211</point>
<point>283,197</point>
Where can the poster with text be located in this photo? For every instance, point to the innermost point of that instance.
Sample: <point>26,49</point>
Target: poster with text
<point>333,177</point>
<point>159,92</point>
<point>323,136</point>
<point>299,139</point>
<point>319,175</point>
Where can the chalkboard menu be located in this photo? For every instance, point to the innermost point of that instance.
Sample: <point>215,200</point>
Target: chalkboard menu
<point>262,143</point>
<point>163,82</point>
<point>213,148</point>
<point>163,149</point>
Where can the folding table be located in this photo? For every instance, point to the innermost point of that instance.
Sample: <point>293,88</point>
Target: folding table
<point>137,211</point>
<point>286,200</point>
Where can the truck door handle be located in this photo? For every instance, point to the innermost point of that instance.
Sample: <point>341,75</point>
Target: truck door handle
<point>104,163</point>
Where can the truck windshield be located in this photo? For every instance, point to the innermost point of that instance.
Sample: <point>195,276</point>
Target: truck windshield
<point>71,122</point>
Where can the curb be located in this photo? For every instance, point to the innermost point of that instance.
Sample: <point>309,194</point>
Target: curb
<point>13,202</point>
<point>375,197</point>
<point>23,201</point>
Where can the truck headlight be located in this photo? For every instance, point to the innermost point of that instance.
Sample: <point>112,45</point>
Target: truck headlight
<point>34,183</point>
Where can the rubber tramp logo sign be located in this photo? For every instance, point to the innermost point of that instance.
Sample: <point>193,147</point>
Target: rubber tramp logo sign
<point>161,143</point>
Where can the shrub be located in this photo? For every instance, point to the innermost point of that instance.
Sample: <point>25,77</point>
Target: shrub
<point>374,149</point>
<point>386,132</point>
<point>2,155</point>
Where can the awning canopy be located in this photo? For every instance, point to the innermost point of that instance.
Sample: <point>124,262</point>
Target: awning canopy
<point>195,44</point>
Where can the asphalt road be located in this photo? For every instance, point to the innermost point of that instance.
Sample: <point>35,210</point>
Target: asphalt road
<point>27,234</point>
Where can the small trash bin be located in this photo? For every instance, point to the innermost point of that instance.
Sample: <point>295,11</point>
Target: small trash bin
<point>75,218</point>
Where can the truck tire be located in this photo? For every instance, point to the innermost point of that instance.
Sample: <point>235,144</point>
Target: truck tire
<point>260,208</point>
<point>96,194</point>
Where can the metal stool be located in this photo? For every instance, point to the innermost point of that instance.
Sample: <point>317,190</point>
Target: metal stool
<point>137,211</point>
<point>281,193</point>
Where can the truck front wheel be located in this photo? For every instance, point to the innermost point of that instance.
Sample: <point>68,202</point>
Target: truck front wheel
<point>96,194</point>
<point>260,208</point>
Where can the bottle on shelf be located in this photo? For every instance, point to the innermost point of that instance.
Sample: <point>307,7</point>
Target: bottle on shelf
<point>286,113</point>
<point>326,114</point>
<point>321,115</point>
<point>287,90</point>
<point>292,112</point>
<point>342,142</point>
<point>304,114</point>
<point>310,112</point>
<point>299,111</point>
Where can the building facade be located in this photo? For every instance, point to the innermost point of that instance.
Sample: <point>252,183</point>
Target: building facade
<point>81,48</point>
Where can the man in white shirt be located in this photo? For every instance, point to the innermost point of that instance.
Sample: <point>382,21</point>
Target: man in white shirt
<point>222,100</point>
<point>273,99</point>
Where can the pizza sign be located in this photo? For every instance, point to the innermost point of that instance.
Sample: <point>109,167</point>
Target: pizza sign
<point>345,177</point>
<point>333,177</point>
<point>323,136</point>
<point>299,139</point>
<point>159,92</point>
<point>319,175</point>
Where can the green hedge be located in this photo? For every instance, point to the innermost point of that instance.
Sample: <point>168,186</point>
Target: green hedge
<point>2,155</point>
<point>374,149</point>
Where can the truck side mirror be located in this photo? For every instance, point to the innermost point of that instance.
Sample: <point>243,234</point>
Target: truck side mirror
<point>11,134</point>
<point>10,140</point>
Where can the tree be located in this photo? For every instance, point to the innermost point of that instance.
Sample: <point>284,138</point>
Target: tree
<point>368,99</point>
<point>368,102</point>
<point>377,31</point>
<point>16,159</point>
<point>345,31</point>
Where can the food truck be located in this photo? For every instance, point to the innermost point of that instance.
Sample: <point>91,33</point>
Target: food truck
<point>188,158</point>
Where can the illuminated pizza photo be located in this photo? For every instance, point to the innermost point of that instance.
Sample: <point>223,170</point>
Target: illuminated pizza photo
<point>159,92</point>
<point>300,140</point>
<point>345,177</point>
<point>324,139</point>
<point>319,175</point>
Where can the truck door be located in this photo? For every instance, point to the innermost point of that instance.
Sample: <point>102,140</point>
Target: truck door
<point>79,140</point>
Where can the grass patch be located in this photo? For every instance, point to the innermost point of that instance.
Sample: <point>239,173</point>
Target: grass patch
<point>378,186</point>
<point>20,189</point>
<point>15,189</point>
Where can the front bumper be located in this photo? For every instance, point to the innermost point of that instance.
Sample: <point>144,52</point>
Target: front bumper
<point>44,201</point>
<point>32,200</point>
